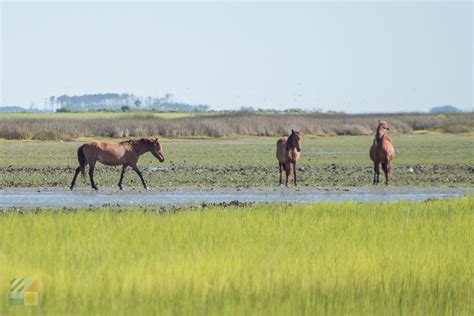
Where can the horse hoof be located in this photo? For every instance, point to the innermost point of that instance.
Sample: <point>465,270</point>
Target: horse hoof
<point>121,188</point>
<point>147,188</point>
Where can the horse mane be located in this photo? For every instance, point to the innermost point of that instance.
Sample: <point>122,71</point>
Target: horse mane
<point>289,142</point>
<point>144,141</point>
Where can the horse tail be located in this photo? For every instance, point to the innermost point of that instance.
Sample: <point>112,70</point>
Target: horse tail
<point>390,168</point>
<point>82,160</point>
<point>387,167</point>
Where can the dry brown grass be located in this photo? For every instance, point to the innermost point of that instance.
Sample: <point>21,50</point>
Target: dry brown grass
<point>230,124</point>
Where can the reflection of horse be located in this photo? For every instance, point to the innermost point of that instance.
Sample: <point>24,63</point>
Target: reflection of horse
<point>125,153</point>
<point>288,152</point>
<point>382,152</point>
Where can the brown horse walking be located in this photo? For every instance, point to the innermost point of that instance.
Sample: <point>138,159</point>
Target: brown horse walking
<point>382,152</point>
<point>288,152</point>
<point>124,153</point>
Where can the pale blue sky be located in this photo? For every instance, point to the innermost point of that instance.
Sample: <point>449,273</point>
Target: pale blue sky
<point>345,56</point>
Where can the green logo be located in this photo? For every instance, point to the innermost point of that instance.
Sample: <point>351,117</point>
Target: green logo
<point>24,292</point>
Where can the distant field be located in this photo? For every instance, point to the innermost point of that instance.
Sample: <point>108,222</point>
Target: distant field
<point>327,258</point>
<point>102,115</point>
<point>435,160</point>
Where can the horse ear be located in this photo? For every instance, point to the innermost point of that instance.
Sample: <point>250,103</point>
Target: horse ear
<point>292,131</point>
<point>156,140</point>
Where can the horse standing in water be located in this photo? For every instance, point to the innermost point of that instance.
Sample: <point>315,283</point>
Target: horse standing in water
<point>288,152</point>
<point>382,152</point>
<point>124,153</point>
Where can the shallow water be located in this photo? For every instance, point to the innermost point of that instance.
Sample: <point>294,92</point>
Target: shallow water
<point>66,198</point>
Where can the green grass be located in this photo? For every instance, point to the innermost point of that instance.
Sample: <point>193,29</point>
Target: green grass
<point>102,115</point>
<point>437,159</point>
<point>324,258</point>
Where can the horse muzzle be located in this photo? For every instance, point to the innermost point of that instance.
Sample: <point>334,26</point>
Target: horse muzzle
<point>160,157</point>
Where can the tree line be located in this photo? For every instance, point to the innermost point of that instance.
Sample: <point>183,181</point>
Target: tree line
<point>121,101</point>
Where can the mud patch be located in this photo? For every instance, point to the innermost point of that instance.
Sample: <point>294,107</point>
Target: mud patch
<point>241,176</point>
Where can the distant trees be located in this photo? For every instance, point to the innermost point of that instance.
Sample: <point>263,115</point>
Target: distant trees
<point>63,109</point>
<point>11,109</point>
<point>247,109</point>
<point>445,109</point>
<point>96,101</point>
<point>123,102</point>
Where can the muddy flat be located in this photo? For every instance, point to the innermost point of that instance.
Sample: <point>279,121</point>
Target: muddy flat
<point>85,197</point>
<point>443,160</point>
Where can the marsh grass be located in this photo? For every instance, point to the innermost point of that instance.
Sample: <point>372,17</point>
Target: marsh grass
<point>224,125</point>
<point>324,258</point>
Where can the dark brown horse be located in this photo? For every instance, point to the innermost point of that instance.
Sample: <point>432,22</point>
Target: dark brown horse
<point>124,153</point>
<point>382,152</point>
<point>288,152</point>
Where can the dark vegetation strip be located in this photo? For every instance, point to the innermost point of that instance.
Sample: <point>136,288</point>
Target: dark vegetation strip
<point>233,124</point>
<point>223,169</point>
<point>170,178</point>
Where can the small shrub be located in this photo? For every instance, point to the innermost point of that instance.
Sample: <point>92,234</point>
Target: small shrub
<point>456,129</point>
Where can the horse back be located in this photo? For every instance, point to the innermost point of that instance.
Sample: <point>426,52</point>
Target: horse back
<point>106,152</point>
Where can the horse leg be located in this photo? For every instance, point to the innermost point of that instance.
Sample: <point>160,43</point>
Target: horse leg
<point>73,182</point>
<point>385,171</point>
<point>135,168</point>
<point>287,172</point>
<point>91,175</point>
<point>124,167</point>
<point>280,165</point>
<point>294,172</point>
<point>376,173</point>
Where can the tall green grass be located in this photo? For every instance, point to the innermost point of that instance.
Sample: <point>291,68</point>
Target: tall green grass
<point>324,258</point>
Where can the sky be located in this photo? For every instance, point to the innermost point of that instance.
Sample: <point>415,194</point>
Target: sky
<point>351,56</point>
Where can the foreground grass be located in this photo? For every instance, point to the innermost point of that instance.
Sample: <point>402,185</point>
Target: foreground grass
<point>324,258</point>
<point>436,160</point>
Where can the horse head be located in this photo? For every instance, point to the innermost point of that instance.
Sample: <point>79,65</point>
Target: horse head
<point>381,129</point>
<point>157,150</point>
<point>294,140</point>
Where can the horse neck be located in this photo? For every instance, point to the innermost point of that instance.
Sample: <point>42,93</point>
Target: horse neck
<point>140,148</point>
<point>384,138</point>
<point>290,143</point>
